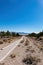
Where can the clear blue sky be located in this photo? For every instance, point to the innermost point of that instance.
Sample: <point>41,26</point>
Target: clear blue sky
<point>21,15</point>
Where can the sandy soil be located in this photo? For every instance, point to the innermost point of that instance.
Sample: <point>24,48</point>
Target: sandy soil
<point>26,48</point>
<point>7,41</point>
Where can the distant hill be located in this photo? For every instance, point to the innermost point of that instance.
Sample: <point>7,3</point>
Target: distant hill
<point>23,33</point>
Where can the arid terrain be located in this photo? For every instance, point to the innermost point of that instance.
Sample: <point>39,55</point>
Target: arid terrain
<point>28,52</point>
<point>6,41</point>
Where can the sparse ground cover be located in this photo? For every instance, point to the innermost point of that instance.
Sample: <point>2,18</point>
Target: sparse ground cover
<point>25,54</point>
<point>29,60</point>
<point>6,41</point>
<point>39,43</point>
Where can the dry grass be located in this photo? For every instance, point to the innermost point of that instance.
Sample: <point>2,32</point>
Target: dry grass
<point>12,56</point>
<point>1,42</point>
<point>29,49</point>
<point>7,40</point>
<point>40,46</point>
<point>29,60</point>
<point>32,51</point>
<point>26,42</point>
<point>4,40</point>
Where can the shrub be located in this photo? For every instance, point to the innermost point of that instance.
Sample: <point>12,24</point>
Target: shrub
<point>17,34</point>
<point>8,33</point>
<point>1,42</point>
<point>40,47</point>
<point>39,34</point>
<point>36,35</point>
<point>2,33</point>
<point>5,40</point>
<point>12,55</point>
<point>31,60</point>
<point>33,34</point>
<point>13,34</point>
<point>32,51</point>
<point>26,43</point>
<point>28,49</point>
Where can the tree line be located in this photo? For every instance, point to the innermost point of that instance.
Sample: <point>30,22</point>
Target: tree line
<point>36,34</point>
<point>8,33</point>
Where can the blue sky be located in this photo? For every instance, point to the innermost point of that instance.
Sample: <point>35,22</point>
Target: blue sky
<point>21,15</point>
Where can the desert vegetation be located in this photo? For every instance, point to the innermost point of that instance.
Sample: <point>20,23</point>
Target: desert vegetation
<point>37,35</point>
<point>29,60</point>
<point>1,42</point>
<point>26,53</point>
<point>30,50</point>
<point>12,56</point>
<point>26,42</point>
<point>38,39</point>
<point>8,34</point>
<point>40,46</point>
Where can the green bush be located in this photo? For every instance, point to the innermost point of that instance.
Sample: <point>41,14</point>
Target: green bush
<point>13,34</point>
<point>1,42</point>
<point>36,35</point>
<point>8,34</point>
<point>39,34</point>
<point>33,34</point>
<point>17,34</point>
<point>2,33</point>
